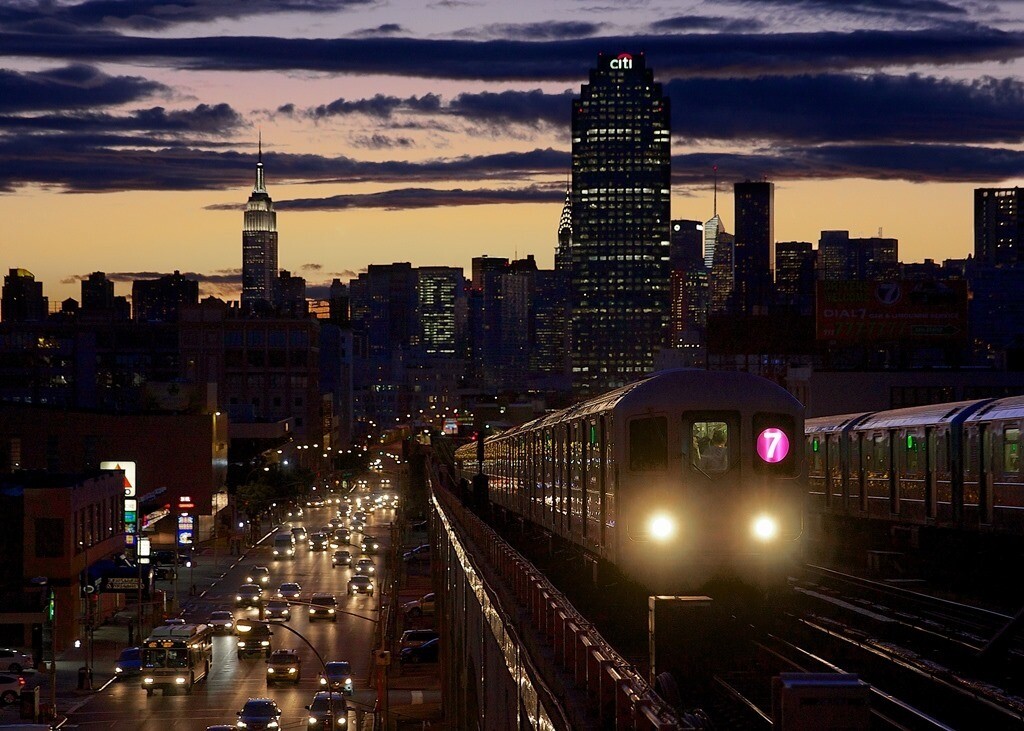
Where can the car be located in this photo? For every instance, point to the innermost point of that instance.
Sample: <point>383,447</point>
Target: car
<point>168,558</point>
<point>420,553</point>
<point>284,665</point>
<point>253,639</point>
<point>300,533</point>
<point>369,545</point>
<point>416,637</point>
<point>338,677</point>
<point>365,566</point>
<point>289,590</point>
<point>318,542</point>
<point>419,607</point>
<point>341,537</point>
<point>249,595</point>
<point>221,727</point>
<point>10,688</point>
<point>323,605</point>
<point>360,584</point>
<point>341,558</point>
<point>14,661</point>
<point>427,652</point>
<point>335,522</point>
<point>277,610</point>
<point>259,713</point>
<point>295,512</point>
<point>258,575</point>
<point>174,621</point>
<point>221,621</point>
<point>325,707</point>
<point>129,662</point>
<point>164,573</point>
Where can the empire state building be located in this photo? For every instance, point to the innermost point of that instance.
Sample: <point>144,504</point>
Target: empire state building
<point>259,244</point>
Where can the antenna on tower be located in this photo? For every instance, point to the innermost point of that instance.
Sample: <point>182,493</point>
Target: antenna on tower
<point>715,168</point>
<point>260,156</point>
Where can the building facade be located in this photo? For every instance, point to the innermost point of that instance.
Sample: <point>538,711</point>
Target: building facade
<point>998,227</point>
<point>259,245</point>
<point>22,299</point>
<point>754,250</point>
<point>621,179</point>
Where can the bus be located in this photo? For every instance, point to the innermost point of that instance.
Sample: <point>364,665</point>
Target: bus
<point>176,656</point>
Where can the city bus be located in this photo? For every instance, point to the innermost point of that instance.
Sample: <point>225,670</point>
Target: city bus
<point>176,656</point>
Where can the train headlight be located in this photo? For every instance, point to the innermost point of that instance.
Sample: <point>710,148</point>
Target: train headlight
<point>765,528</point>
<point>662,527</point>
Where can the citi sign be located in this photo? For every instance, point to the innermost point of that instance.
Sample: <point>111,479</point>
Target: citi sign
<point>621,62</point>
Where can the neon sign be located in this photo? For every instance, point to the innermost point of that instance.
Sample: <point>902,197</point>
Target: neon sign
<point>621,62</point>
<point>772,445</point>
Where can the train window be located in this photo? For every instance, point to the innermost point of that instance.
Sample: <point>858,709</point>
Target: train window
<point>648,444</point>
<point>912,446</point>
<point>710,446</point>
<point>774,449</point>
<point>1011,450</point>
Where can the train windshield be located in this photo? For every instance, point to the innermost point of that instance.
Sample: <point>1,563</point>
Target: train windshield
<point>709,451</point>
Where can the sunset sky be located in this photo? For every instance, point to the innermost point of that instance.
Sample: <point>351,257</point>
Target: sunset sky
<point>434,132</point>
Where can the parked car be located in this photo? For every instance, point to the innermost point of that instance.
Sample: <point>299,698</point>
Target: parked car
<point>284,665</point>
<point>277,611</point>
<point>221,621</point>
<point>129,662</point>
<point>15,660</point>
<point>360,584</point>
<point>416,637</point>
<point>258,575</point>
<point>419,607</point>
<point>323,605</point>
<point>10,688</point>
<point>289,590</point>
<point>259,713</point>
<point>427,652</point>
<point>341,558</point>
<point>338,677</point>
<point>365,566</point>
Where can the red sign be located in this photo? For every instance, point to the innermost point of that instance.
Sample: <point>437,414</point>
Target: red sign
<point>871,312</point>
<point>185,503</point>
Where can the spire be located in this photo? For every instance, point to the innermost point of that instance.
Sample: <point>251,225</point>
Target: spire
<point>716,189</point>
<point>260,186</point>
<point>565,220</point>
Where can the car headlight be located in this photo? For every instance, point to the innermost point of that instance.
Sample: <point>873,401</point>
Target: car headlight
<point>265,643</point>
<point>270,671</point>
<point>273,724</point>
<point>147,681</point>
<point>323,680</point>
<point>330,611</point>
<point>241,643</point>
<point>291,671</point>
<point>765,527</point>
<point>238,598</point>
<point>661,527</point>
<point>228,625</point>
<point>312,610</point>
<point>370,587</point>
<point>179,681</point>
<point>241,724</point>
<point>312,721</point>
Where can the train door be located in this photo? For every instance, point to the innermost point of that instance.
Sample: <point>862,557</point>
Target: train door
<point>930,477</point>
<point>837,482</point>
<point>975,475</point>
<point>858,443</point>
<point>1006,498</point>
<point>992,443</point>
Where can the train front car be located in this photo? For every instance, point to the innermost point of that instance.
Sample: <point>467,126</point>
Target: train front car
<point>680,479</point>
<point>710,480</point>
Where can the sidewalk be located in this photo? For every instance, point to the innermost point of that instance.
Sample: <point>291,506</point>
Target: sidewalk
<point>209,563</point>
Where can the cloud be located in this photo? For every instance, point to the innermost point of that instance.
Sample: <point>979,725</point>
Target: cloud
<point>380,142</point>
<point>311,267</point>
<point>204,119</point>
<point>671,56</point>
<point>74,86</point>
<point>863,7</point>
<point>377,106</point>
<point>547,30</point>
<point>409,198</point>
<point>707,23</point>
<point>381,30</point>
<point>155,14</point>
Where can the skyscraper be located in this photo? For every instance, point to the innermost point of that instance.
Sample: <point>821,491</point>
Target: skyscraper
<point>621,177</point>
<point>160,300</point>
<point>22,299</point>
<point>563,254</point>
<point>795,275</point>
<point>439,290</point>
<point>259,244</point>
<point>753,290</point>
<point>998,227</point>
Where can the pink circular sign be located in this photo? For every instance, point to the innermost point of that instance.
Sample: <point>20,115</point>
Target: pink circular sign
<point>772,445</point>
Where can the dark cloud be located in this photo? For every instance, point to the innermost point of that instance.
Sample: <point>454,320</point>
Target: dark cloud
<point>71,87</point>
<point>386,29</point>
<point>154,14</point>
<point>311,267</point>
<point>689,23</point>
<point>671,56</point>
<point>378,106</point>
<point>224,276</point>
<point>380,142</point>
<point>518,107</point>
<point>408,198</point>
<point>204,119</point>
<point>863,7</point>
<point>286,109</point>
<point>537,31</point>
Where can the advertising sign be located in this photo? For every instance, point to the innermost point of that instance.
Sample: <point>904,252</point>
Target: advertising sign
<point>131,515</point>
<point>186,529</point>
<point>929,312</point>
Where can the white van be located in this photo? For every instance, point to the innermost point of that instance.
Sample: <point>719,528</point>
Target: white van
<point>284,546</point>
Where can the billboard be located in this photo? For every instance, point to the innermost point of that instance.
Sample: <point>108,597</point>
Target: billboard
<point>921,312</point>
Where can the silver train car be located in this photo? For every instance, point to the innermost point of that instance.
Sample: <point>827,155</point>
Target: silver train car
<point>945,466</point>
<point>680,479</point>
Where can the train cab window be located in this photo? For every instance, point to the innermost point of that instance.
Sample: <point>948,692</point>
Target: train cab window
<point>710,446</point>
<point>648,444</point>
<point>1011,450</point>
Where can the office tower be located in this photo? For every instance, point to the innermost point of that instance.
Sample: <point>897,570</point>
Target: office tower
<point>722,277</point>
<point>688,277</point>
<point>833,256</point>
<point>22,299</point>
<point>98,299</point>
<point>259,244</point>
<point>795,275</point>
<point>290,294</point>
<point>753,290</point>
<point>439,290</point>
<point>549,349</point>
<point>998,227</point>
<point>711,229</point>
<point>160,300</point>
<point>621,178</point>
<point>485,335</point>
<point>563,254</point>
<point>339,304</point>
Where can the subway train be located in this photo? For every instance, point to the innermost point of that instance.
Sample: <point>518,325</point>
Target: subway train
<point>944,467</point>
<point>681,479</point>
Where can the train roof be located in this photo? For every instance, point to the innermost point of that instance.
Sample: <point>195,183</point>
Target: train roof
<point>931,414</point>
<point>830,424</point>
<point>701,390</point>
<point>1011,407</point>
